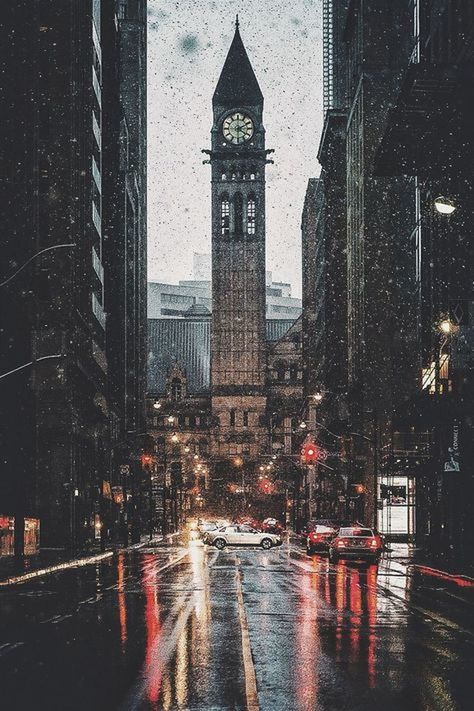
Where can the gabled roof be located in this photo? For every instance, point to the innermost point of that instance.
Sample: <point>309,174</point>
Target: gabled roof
<point>237,85</point>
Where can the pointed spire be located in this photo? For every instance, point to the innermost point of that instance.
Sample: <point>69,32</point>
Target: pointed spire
<point>237,85</point>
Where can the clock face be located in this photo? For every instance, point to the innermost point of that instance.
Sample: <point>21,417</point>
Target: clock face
<point>237,128</point>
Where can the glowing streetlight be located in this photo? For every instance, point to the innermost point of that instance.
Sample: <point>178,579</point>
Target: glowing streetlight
<point>175,438</point>
<point>196,456</point>
<point>317,397</point>
<point>303,425</point>
<point>186,449</point>
<point>170,419</point>
<point>447,327</point>
<point>238,461</point>
<point>157,405</point>
<point>445,206</point>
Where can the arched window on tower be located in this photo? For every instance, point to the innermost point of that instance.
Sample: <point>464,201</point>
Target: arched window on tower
<point>176,390</point>
<point>251,215</point>
<point>238,214</point>
<point>225,214</point>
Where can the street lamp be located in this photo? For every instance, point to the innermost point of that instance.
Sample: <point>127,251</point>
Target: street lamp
<point>170,419</point>
<point>175,438</point>
<point>303,425</point>
<point>447,327</point>
<point>318,397</point>
<point>445,206</point>
<point>157,404</point>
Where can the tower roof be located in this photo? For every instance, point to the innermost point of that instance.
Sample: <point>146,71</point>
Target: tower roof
<point>237,85</point>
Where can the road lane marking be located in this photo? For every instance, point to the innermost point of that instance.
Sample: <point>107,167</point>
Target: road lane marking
<point>251,693</point>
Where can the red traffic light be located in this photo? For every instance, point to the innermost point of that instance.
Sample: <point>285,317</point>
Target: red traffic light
<point>146,460</point>
<point>310,453</point>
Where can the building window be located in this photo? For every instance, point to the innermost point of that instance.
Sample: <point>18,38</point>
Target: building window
<point>225,215</point>
<point>232,418</point>
<point>251,215</point>
<point>245,417</point>
<point>176,390</point>
<point>238,210</point>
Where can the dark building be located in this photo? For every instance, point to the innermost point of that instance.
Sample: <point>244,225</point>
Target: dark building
<point>429,136</point>
<point>55,411</point>
<point>325,311</point>
<point>361,283</point>
<point>398,103</point>
<point>124,225</point>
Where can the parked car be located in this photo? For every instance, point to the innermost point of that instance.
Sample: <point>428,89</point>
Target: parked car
<point>355,542</point>
<point>242,535</point>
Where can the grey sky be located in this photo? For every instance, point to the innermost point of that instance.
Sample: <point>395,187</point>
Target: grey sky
<point>188,41</point>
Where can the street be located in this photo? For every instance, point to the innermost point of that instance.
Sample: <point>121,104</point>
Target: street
<point>183,626</point>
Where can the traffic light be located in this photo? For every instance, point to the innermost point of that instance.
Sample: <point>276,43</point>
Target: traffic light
<point>310,453</point>
<point>359,488</point>
<point>146,460</point>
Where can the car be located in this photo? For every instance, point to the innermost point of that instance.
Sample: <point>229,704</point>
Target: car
<point>206,527</point>
<point>355,542</point>
<point>319,538</point>
<point>319,532</point>
<point>271,525</point>
<point>242,535</point>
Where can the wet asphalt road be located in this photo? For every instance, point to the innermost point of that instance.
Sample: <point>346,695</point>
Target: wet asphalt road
<point>188,627</point>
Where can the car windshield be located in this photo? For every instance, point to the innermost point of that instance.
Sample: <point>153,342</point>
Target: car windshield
<point>359,532</point>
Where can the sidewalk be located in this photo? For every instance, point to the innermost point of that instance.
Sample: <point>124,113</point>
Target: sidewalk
<point>14,570</point>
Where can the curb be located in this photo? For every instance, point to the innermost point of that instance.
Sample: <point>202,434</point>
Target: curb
<point>78,562</point>
<point>461,580</point>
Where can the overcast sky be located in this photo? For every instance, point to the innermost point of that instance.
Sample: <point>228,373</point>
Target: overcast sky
<point>188,42</point>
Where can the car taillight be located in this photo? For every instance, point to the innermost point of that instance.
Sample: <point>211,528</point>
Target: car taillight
<point>373,542</point>
<point>340,544</point>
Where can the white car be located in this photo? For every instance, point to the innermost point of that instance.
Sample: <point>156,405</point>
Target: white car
<point>240,535</point>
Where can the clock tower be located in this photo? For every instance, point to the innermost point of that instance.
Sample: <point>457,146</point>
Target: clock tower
<point>238,354</point>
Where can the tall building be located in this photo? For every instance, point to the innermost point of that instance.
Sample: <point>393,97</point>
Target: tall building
<point>124,224</point>
<point>238,160</point>
<point>56,410</point>
<point>225,387</point>
<point>396,157</point>
<point>429,136</point>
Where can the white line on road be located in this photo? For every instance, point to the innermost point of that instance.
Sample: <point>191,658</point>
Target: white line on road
<point>249,669</point>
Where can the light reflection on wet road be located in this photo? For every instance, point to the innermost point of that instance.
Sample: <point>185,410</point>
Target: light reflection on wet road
<point>163,628</point>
